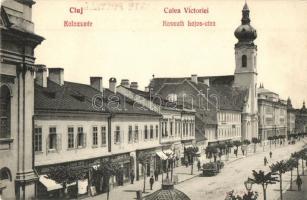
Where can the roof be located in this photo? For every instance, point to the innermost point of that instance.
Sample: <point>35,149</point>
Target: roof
<point>167,193</point>
<point>79,97</point>
<point>156,83</point>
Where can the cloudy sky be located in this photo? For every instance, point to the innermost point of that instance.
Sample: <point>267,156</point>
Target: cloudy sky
<point>127,40</point>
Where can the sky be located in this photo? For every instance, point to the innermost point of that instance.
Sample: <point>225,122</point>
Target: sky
<point>127,41</point>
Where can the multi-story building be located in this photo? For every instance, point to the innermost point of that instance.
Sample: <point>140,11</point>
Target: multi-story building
<point>177,126</point>
<point>79,126</point>
<point>290,118</point>
<point>301,119</point>
<point>272,114</point>
<point>18,42</point>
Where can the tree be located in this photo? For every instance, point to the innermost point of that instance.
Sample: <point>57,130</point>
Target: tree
<point>107,170</point>
<point>264,180</point>
<point>191,153</point>
<point>210,151</point>
<point>270,139</point>
<point>291,164</point>
<point>296,156</point>
<point>279,167</point>
<point>246,143</point>
<point>144,158</point>
<point>237,143</point>
<point>303,156</point>
<point>255,141</point>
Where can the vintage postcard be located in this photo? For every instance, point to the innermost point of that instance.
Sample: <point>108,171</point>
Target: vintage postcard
<point>153,99</point>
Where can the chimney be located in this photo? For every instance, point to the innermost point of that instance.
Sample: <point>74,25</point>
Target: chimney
<point>56,75</point>
<point>96,82</point>
<point>194,78</point>
<point>125,83</point>
<point>41,75</point>
<point>112,84</point>
<point>207,82</point>
<point>134,85</point>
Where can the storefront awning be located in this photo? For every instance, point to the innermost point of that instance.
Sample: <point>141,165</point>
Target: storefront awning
<point>49,183</point>
<point>168,152</point>
<point>161,155</point>
<point>188,146</point>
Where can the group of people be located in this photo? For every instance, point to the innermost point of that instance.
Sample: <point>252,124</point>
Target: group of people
<point>299,181</point>
<point>151,180</point>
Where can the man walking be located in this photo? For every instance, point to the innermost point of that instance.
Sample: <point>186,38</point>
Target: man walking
<point>265,161</point>
<point>151,181</point>
<point>299,183</point>
<point>271,154</point>
<point>132,176</point>
<point>156,173</point>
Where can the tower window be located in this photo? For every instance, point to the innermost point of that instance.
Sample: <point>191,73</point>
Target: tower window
<point>244,61</point>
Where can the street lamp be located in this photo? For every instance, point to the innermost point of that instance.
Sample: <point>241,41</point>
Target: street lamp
<point>248,185</point>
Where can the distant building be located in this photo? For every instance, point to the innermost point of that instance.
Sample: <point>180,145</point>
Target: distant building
<point>301,119</point>
<point>18,41</point>
<point>272,114</point>
<point>290,118</point>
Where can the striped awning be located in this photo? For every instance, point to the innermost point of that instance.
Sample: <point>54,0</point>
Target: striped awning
<point>49,183</point>
<point>161,155</point>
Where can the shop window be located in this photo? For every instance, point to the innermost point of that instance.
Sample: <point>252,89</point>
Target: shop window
<point>38,139</point>
<point>103,136</point>
<point>70,136</point>
<point>117,135</point>
<point>5,112</point>
<point>130,138</point>
<point>95,136</point>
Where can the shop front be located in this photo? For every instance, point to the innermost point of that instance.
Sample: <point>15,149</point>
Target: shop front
<point>152,164</point>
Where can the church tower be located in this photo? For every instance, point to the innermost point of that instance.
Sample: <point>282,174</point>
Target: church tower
<point>246,73</point>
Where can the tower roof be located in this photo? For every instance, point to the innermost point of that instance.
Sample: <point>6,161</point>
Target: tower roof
<point>168,192</point>
<point>245,33</point>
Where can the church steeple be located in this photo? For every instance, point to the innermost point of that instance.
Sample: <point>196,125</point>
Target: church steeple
<point>245,33</point>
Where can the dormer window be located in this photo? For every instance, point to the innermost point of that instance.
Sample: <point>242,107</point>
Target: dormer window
<point>244,61</point>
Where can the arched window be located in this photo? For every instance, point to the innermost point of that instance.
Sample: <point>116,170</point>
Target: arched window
<point>244,61</point>
<point>5,174</point>
<point>5,112</point>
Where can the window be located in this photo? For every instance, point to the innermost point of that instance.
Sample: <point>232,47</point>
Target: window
<point>5,112</point>
<point>145,132</point>
<point>171,128</point>
<point>117,135</point>
<point>52,138</point>
<point>244,61</point>
<point>38,139</point>
<point>187,129</point>
<point>103,136</point>
<point>151,132</point>
<point>81,138</point>
<point>183,125</point>
<point>193,130</point>
<point>162,129</point>
<point>165,126</point>
<point>95,136</point>
<point>70,137</point>
<point>136,134</point>
<point>157,131</point>
<point>130,138</point>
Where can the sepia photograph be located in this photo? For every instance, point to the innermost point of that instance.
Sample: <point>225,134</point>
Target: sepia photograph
<point>153,99</point>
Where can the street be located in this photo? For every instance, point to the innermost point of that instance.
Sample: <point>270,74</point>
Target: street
<point>234,174</point>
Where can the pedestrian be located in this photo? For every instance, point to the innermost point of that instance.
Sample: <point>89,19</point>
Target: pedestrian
<point>299,183</point>
<point>132,176</point>
<point>198,165</point>
<point>265,161</point>
<point>271,154</point>
<point>151,181</point>
<point>156,173</point>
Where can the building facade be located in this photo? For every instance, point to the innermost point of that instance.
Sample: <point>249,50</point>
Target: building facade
<point>290,118</point>
<point>301,119</point>
<point>18,41</point>
<point>80,126</point>
<point>272,114</point>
